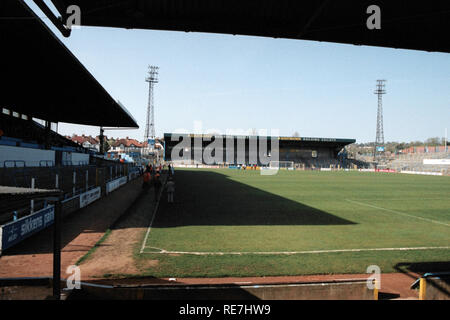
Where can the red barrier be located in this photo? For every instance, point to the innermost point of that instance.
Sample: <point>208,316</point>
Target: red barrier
<point>385,170</point>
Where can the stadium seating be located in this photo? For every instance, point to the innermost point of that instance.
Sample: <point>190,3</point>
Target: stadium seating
<point>414,162</point>
<point>73,180</point>
<point>31,134</point>
<point>74,177</point>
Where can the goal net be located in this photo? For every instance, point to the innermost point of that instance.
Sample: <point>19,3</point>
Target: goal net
<point>282,164</point>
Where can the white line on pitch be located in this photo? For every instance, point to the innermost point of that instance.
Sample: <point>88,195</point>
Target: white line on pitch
<point>292,252</point>
<point>396,199</point>
<point>397,212</point>
<point>151,222</point>
<point>149,228</point>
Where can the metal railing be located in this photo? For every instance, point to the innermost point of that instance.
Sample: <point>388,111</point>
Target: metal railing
<point>15,162</point>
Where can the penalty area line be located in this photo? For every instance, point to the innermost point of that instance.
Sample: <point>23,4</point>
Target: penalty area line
<point>199,253</point>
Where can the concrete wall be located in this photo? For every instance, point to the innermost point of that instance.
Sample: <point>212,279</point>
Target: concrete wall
<point>75,158</point>
<point>438,288</point>
<point>336,290</point>
<point>31,156</point>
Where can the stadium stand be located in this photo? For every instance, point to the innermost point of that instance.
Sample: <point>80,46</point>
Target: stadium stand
<point>31,134</point>
<point>73,178</point>
<point>34,157</point>
<point>305,152</point>
<point>358,163</point>
<point>415,162</point>
<point>34,49</point>
<point>60,172</point>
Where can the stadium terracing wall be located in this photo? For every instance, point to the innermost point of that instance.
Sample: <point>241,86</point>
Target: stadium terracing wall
<point>300,150</point>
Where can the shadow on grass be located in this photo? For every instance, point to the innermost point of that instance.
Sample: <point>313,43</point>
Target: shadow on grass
<point>202,198</point>
<point>211,198</point>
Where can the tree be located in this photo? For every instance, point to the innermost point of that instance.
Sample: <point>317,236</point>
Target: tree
<point>433,141</point>
<point>401,146</point>
<point>296,134</point>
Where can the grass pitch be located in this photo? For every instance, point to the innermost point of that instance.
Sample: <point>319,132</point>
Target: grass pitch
<point>227,222</point>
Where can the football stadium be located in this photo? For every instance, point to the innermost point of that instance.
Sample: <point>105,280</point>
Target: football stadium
<point>208,216</point>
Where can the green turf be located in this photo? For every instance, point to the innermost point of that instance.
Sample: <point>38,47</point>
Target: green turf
<point>242,211</point>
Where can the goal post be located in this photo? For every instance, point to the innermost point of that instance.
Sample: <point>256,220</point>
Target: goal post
<point>289,165</point>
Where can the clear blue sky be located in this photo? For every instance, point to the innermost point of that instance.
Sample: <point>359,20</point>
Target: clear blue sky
<point>228,82</point>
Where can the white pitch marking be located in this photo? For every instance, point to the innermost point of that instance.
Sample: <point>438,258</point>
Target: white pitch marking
<point>151,221</point>
<point>397,212</point>
<point>396,199</point>
<point>292,252</point>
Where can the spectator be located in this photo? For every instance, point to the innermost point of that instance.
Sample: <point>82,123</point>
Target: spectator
<point>157,185</point>
<point>170,186</point>
<point>147,178</point>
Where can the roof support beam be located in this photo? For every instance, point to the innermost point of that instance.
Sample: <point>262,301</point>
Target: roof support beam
<point>57,22</point>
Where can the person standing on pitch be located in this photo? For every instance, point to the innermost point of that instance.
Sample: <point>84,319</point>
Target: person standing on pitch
<point>157,185</point>
<point>170,186</point>
<point>147,179</point>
